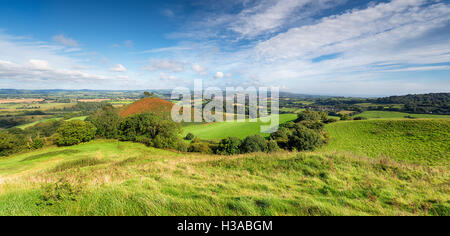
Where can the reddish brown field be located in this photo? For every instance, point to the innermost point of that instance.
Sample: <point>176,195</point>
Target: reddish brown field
<point>150,105</point>
<point>21,100</point>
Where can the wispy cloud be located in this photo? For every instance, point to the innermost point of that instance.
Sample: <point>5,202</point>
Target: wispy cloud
<point>64,40</point>
<point>118,68</point>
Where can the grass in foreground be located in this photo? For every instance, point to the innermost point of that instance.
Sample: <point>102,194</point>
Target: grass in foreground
<point>112,178</point>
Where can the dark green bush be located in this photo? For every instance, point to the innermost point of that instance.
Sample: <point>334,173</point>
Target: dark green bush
<point>74,132</point>
<point>229,146</point>
<point>253,143</point>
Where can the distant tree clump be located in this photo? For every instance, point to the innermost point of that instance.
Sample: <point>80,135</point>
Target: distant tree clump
<point>107,122</point>
<point>253,143</point>
<point>308,115</point>
<point>74,132</point>
<point>229,146</point>
<point>304,139</point>
<point>151,130</point>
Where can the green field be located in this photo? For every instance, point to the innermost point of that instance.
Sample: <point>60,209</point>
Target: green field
<point>215,131</point>
<point>121,178</point>
<point>396,115</point>
<point>417,141</point>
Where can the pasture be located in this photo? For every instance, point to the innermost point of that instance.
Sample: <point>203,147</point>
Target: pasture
<point>397,115</point>
<point>415,141</point>
<point>220,130</point>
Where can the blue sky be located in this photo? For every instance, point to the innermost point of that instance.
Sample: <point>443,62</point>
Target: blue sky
<point>330,47</point>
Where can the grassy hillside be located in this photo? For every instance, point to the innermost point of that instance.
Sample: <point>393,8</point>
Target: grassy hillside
<point>230,129</point>
<point>417,141</point>
<point>120,178</point>
<point>397,115</point>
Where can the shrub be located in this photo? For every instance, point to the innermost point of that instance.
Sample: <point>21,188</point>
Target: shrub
<point>344,117</point>
<point>253,143</point>
<point>36,143</point>
<point>63,190</point>
<point>281,136</point>
<point>330,120</point>
<point>229,146</point>
<point>200,147</point>
<point>303,139</point>
<point>74,132</point>
<point>189,136</point>
<point>360,118</point>
<point>107,122</point>
<point>272,146</point>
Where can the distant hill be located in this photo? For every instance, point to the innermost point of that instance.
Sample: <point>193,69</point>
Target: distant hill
<point>436,103</point>
<point>147,105</point>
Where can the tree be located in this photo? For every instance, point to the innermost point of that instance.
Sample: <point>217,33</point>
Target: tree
<point>303,139</point>
<point>74,132</point>
<point>107,122</point>
<point>151,130</point>
<point>11,143</point>
<point>229,146</point>
<point>253,143</point>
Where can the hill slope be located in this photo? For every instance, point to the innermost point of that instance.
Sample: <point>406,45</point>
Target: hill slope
<point>417,141</point>
<point>147,105</point>
<point>120,178</point>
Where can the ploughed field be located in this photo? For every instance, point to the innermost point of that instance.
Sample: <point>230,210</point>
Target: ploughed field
<point>368,168</point>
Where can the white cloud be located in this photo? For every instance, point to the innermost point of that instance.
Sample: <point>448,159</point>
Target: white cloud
<point>165,65</point>
<point>199,69</point>
<point>129,43</point>
<point>64,40</point>
<point>219,75</point>
<point>40,64</point>
<point>118,68</point>
<point>164,76</point>
<point>168,13</point>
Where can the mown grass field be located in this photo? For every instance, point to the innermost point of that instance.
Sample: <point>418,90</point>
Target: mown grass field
<point>417,141</point>
<point>121,178</point>
<point>397,115</point>
<point>220,130</point>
